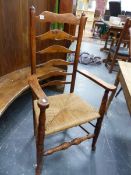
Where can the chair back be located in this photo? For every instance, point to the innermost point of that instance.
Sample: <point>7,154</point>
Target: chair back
<point>125,34</point>
<point>55,35</point>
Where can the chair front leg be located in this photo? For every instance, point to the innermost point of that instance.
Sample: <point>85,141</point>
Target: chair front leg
<point>99,120</point>
<point>34,117</point>
<point>40,142</point>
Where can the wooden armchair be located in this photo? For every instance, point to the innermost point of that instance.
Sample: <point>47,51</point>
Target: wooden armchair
<point>119,49</point>
<point>60,112</point>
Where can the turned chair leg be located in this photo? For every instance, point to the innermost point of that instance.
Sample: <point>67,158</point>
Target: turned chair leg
<point>34,124</point>
<point>96,132</point>
<point>34,117</point>
<point>39,159</point>
<point>40,142</point>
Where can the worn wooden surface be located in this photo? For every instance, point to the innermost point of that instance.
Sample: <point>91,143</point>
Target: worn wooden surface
<point>56,34</point>
<point>13,84</point>
<point>14,22</point>
<point>61,18</point>
<point>124,79</point>
<point>97,80</point>
<point>55,49</point>
<point>66,6</point>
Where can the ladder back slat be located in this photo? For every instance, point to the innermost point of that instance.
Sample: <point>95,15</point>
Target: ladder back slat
<point>51,17</point>
<point>56,35</point>
<point>55,82</point>
<point>55,62</point>
<point>54,74</point>
<point>55,49</point>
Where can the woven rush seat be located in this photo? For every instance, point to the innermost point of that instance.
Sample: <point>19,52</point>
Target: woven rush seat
<point>66,111</point>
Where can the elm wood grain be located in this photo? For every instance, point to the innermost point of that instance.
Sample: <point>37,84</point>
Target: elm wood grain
<point>54,73</point>
<point>123,77</point>
<point>54,83</point>
<point>51,17</point>
<point>57,35</point>
<point>37,89</point>
<point>56,62</point>
<point>15,83</point>
<point>14,22</point>
<point>55,49</point>
<point>14,44</point>
<point>66,6</point>
<point>13,35</point>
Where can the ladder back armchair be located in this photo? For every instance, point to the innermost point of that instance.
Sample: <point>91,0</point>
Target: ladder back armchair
<point>60,112</point>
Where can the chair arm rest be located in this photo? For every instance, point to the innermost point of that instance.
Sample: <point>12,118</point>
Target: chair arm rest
<point>37,90</point>
<point>97,80</point>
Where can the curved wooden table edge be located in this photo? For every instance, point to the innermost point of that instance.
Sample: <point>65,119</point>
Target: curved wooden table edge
<point>12,100</point>
<point>12,85</point>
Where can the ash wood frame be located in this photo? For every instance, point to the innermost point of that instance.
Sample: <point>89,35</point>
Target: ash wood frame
<point>43,103</point>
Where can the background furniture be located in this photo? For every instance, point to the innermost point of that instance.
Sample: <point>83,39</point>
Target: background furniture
<point>98,24</point>
<point>119,47</point>
<point>123,77</point>
<point>113,29</point>
<point>60,112</point>
<point>115,8</point>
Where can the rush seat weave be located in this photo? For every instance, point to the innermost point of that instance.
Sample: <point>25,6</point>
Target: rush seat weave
<point>66,111</point>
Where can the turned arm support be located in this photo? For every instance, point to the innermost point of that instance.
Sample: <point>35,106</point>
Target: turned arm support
<point>37,90</point>
<point>97,80</point>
